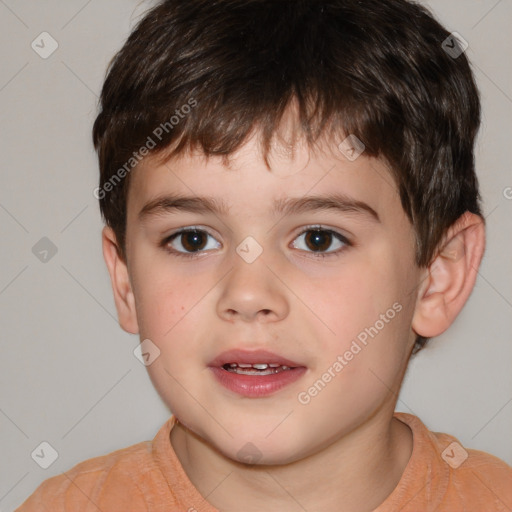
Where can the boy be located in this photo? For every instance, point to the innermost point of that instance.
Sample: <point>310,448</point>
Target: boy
<point>292,211</point>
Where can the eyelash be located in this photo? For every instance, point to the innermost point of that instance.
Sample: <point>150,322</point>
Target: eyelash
<point>189,255</point>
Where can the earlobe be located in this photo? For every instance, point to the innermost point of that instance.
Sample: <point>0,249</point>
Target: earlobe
<point>450,278</point>
<point>121,286</point>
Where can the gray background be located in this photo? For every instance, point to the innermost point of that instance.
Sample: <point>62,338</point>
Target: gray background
<point>68,373</point>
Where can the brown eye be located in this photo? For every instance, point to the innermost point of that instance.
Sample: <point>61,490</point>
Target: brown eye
<point>193,240</point>
<point>318,240</point>
<point>188,242</point>
<point>321,242</point>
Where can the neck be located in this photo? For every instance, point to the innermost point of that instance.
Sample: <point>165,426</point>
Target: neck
<point>354,473</point>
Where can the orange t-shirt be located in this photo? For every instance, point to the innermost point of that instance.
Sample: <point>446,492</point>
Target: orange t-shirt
<point>148,477</point>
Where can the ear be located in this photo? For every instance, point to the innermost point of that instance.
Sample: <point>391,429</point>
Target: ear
<point>121,286</point>
<point>450,278</point>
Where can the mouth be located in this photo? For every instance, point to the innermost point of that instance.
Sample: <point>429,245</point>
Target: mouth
<point>255,374</point>
<point>256,369</point>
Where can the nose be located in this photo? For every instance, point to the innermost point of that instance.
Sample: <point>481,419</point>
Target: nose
<point>252,291</point>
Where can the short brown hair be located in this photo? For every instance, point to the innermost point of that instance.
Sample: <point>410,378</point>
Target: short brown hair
<point>377,69</point>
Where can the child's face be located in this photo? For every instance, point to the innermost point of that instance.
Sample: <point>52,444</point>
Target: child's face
<point>288,301</point>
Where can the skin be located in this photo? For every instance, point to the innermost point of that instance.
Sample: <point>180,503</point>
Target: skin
<point>293,303</point>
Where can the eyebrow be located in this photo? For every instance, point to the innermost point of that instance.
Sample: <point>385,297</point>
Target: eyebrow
<point>163,205</point>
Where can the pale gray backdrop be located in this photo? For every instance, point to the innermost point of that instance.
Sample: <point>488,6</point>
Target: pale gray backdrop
<point>68,373</point>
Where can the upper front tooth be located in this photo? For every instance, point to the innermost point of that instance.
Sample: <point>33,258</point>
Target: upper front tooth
<point>274,365</point>
<point>260,366</point>
<point>244,365</point>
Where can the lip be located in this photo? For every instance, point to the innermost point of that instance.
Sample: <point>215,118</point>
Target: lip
<point>255,386</point>
<point>251,357</point>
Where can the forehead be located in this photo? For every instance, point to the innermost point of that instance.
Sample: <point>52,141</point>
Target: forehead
<point>244,183</point>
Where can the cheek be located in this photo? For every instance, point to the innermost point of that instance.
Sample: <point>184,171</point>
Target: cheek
<point>367,316</point>
<point>352,300</point>
<point>358,376</point>
<point>161,302</point>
